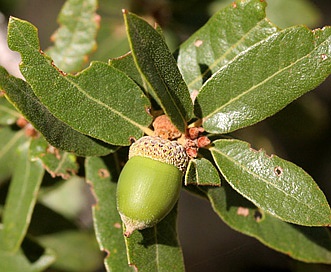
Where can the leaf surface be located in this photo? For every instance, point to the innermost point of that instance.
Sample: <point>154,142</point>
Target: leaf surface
<point>56,162</point>
<point>76,36</point>
<point>159,69</point>
<point>65,245</point>
<point>107,222</point>
<point>8,114</point>
<point>56,132</point>
<point>156,248</point>
<point>127,65</point>
<point>201,171</point>
<point>20,200</point>
<point>272,184</point>
<point>264,79</point>
<point>306,244</point>
<point>19,262</point>
<point>228,33</point>
<point>288,13</point>
<point>101,101</point>
<point>10,140</point>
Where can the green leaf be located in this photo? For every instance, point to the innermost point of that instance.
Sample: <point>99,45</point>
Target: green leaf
<point>20,200</point>
<point>69,193</point>
<point>8,114</point>
<point>101,101</point>
<point>111,39</point>
<point>127,65</point>
<point>18,262</point>
<point>76,36</point>
<point>306,244</point>
<point>76,251</point>
<point>272,184</point>
<point>159,69</point>
<point>10,140</point>
<point>56,162</point>
<point>55,131</point>
<point>286,13</point>
<point>156,248</point>
<point>201,172</point>
<point>264,79</point>
<point>228,33</point>
<point>107,222</point>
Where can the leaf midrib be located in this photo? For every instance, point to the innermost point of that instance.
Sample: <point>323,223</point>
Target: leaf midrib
<point>262,82</point>
<point>102,104</point>
<point>262,179</point>
<point>159,76</point>
<point>226,53</point>
<point>79,88</point>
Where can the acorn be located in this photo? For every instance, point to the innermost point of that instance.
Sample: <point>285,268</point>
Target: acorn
<point>150,182</point>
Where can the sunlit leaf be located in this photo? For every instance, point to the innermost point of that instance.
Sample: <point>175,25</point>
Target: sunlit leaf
<point>306,244</point>
<point>272,184</point>
<point>201,172</point>
<point>55,131</point>
<point>76,36</point>
<point>101,101</point>
<point>264,79</point>
<point>228,33</point>
<point>156,248</point>
<point>286,13</point>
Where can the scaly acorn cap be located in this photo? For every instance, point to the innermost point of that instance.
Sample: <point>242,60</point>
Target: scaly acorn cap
<point>156,148</point>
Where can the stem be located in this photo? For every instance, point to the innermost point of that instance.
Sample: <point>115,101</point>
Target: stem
<point>148,131</point>
<point>197,123</point>
<point>182,140</point>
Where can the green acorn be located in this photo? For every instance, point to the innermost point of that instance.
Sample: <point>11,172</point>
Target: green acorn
<point>150,182</point>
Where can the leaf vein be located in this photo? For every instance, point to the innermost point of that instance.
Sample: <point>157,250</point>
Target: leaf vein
<point>262,82</point>
<point>264,180</point>
<point>224,55</point>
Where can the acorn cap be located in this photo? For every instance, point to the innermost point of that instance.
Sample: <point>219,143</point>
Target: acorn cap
<point>156,148</point>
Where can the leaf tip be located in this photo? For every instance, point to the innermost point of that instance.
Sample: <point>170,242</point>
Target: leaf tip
<point>12,18</point>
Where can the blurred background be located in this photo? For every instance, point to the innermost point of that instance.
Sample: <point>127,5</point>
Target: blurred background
<point>300,133</point>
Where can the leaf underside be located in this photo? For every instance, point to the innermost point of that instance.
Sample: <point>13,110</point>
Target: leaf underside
<point>201,172</point>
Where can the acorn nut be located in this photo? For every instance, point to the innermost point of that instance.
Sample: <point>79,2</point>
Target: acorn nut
<point>150,182</point>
